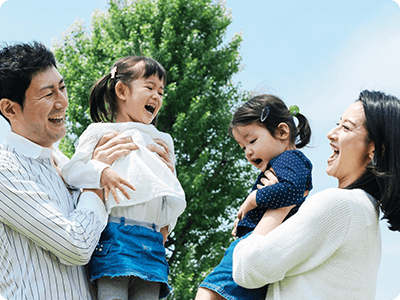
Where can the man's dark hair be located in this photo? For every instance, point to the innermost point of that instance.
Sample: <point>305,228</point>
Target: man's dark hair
<point>19,63</point>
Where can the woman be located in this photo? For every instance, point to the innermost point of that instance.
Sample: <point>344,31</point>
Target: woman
<point>331,248</point>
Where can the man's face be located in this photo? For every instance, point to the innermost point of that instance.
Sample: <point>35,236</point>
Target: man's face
<point>42,120</point>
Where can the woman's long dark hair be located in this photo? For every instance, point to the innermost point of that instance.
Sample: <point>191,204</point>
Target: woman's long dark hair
<point>382,177</point>
<point>250,112</point>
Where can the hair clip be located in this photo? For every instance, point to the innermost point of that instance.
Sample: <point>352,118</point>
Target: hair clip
<point>113,72</point>
<point>294,110</point>
<point>264,113</point>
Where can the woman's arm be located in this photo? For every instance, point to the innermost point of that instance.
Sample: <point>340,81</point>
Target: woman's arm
<point>301,243</point>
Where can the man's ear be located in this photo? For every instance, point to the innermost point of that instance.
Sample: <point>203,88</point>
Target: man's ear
<point>282,131</point>
<point>121,90</point>
<point>9,108</point>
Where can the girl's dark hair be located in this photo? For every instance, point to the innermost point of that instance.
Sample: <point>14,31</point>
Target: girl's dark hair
<point>19,64</point>
<point>382,176</point>
<point>250,112</point>
<point>102,100</point>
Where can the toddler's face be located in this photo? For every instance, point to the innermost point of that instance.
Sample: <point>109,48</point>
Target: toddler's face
<point>258,144</point>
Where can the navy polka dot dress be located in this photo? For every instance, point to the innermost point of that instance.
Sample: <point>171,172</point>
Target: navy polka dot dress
<point>293,170</point>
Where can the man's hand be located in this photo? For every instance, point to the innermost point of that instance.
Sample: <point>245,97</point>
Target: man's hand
<point>162,150</point>
<point>111,181</point>
<point>164,232</point>
<point>112,146</point>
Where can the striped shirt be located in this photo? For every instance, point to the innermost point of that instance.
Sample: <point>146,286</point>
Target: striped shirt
<point>46,235</point>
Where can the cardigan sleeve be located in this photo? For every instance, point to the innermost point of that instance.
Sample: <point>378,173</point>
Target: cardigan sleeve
<point>300,244</point>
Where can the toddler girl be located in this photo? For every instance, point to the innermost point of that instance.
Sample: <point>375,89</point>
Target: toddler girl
<point>129,261</point>
<point>265,129</point>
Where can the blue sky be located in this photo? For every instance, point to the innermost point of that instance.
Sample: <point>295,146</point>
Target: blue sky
<point>317,54</point>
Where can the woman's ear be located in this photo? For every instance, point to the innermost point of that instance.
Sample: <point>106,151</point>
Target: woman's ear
<point>371,150</point>
<point>282,131</point>
<point>121,90</point>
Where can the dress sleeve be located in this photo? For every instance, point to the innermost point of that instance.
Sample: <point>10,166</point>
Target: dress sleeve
<point>28,209</point>
<point>298,245</point>
<point>82,171</point>
<point>293,175</point>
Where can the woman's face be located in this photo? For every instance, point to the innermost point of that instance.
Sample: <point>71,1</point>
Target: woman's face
<point>351,153</point>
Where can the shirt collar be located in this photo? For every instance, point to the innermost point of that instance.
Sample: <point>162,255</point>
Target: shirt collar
<point>26,147</point>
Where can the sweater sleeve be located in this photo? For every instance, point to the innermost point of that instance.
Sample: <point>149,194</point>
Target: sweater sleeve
<point>300,244</point>
<point>292,174</point>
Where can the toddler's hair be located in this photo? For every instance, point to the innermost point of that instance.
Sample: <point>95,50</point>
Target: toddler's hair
<point>102,100</point>
<point>250,112</point>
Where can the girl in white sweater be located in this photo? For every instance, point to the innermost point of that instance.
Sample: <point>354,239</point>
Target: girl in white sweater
<point>330,249</point>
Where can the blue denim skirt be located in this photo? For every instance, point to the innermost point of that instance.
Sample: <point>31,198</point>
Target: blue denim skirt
<point>131,250</point>
<point>220,280</point>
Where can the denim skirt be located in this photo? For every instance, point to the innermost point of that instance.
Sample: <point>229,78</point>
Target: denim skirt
<point>131,250</point>
<point>220,280</point>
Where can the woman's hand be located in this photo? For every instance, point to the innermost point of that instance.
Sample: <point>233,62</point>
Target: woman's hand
<point>113,146</point>
<point>269,179</point>
<point>162,150</point>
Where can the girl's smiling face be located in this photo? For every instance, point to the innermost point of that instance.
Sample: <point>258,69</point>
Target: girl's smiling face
<point>351,150</point>
<point>259,145</point>
<point>141,101</point>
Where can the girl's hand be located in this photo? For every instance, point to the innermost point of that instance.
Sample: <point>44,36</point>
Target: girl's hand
<point>112,146</point>
<point>249,204</point>
<point>111,181</point>
<point>162,150</point>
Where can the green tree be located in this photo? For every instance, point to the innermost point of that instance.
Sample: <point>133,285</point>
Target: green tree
<point>187,38</point>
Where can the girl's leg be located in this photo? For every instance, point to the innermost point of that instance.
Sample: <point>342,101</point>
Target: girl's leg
<point>206,294</point>
<point>115,288</point>
<point>140,289</point>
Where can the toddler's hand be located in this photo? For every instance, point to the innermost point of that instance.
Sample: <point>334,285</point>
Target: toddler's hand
<point>110,181</point>
<point>234,230</point>
<point>249,204</point>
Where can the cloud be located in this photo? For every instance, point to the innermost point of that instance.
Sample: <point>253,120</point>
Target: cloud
<point>398,2</point>
<point>1,3</point>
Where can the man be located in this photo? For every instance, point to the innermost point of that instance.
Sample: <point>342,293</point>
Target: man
<point>46,234</point>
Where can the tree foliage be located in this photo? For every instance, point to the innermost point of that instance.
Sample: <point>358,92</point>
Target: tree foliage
<point>187,38</point>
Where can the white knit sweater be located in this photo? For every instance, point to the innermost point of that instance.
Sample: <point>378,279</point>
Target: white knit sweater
<point>330,249</point>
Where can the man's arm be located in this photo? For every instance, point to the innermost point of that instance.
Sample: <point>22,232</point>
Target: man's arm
<point>27,207</point>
